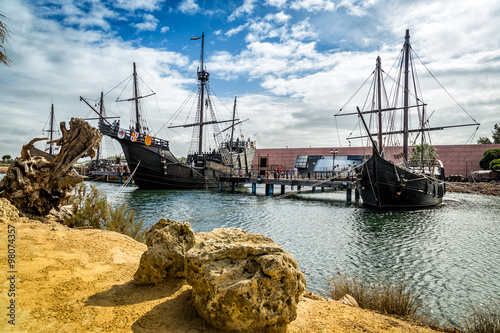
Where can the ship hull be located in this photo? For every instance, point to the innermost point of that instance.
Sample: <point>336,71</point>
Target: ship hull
<point>383,184</point>
<point>156,168</point>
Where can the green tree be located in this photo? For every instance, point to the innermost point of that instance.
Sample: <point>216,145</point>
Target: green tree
<point>484,140</point>
<point>495,164</point>
<point>429,153</point>
<point>5,158</point>
<point>488,156</point>
<point>496,133</point>
<point>4,36</point>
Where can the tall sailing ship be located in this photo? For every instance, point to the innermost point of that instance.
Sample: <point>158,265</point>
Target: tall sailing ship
<point>150,159</point>
<point>418,180</point>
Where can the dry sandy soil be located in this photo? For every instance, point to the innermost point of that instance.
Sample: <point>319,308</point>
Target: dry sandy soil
<point>70,280</point>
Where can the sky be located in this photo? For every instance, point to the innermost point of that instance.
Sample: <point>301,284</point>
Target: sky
<point>293,64</point>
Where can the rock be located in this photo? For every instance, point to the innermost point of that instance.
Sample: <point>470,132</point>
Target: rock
<point>167,242</point>
<point>349,300</point>
<point>243,282</point>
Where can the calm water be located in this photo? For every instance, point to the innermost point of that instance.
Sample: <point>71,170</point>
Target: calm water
<point>449,254</point>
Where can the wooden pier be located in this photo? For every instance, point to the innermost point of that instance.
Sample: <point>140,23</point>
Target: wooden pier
<point>313,183</point>
<point>109,176</point>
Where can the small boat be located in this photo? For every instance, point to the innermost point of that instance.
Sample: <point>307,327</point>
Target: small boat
<point>405,179</point>
<point>154,166</point>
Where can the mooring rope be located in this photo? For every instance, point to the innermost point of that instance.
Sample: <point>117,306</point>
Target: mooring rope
<point>125,184</point>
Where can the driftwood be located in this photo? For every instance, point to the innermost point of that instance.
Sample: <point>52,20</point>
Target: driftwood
<point>36,186</point>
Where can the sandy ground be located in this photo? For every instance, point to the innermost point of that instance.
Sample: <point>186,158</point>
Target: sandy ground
<point>69,280</point>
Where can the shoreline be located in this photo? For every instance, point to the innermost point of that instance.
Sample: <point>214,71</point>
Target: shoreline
<point>81,280</point>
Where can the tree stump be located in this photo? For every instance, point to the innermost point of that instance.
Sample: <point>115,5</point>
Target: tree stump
<point>34,185</point>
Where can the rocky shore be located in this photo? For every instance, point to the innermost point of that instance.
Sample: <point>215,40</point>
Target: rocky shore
<point>81,280</point>
<point>490,188</point>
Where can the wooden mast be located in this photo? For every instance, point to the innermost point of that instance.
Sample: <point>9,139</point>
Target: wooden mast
<point>101,113</point>
<point>136,101</point>
<point>51,131</point>
<point>203,78</point>
<point>405,95</point>
<point>379,103</point>
<point>232,127</point>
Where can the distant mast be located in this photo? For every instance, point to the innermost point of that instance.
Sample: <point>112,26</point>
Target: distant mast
<point>51,131</point>
<point>405,95</point>
<point>232,127</point>
<point>202,78</point>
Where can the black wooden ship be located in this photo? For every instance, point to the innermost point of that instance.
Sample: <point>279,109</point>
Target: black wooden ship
<point>418,180</point>
<point>154,166</point>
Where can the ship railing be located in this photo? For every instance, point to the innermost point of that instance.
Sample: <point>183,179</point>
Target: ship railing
<point>112,131</point>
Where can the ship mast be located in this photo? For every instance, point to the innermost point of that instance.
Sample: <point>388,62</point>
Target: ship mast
<point>405,95</point>
<point>51,131</point>
<point>379,103</point>
<point>232,127</point>
<point>203,79</point>
<point>136,102</point>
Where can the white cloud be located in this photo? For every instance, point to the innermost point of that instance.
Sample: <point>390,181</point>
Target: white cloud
<point>188,7</point>
<point>236,30</point>
<point>276,3</point>
<point>304,30</point>
<point>246,8</point>
<point>164,29</point>
<point>133,5</point>
<point>150,23</point>
<point>313,5</point>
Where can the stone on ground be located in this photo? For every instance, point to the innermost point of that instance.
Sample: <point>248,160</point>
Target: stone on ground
<point>243,282</point>
<point>167,242</point>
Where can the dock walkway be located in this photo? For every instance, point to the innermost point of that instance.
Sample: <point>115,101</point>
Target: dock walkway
<point>314,181</point>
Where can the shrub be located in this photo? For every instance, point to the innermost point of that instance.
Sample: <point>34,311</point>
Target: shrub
<point>488,156</point>
<point>91,209</point>
<point>384,297</point>
<point>484,319</point>
<point>495,164</point>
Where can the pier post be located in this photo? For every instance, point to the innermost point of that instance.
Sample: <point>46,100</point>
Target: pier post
<point>282,189</point>
<point>233,186</point>
<point>120,179</point>
<point>349,194</point>
<point>322,189</point>
<point>356,195</point>
<point>220,186</point>
<point>269,189</point>
<point>314,189</point>
<point>254,188</point>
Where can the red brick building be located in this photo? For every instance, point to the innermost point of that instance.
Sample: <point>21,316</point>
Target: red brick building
<point>457,159</point>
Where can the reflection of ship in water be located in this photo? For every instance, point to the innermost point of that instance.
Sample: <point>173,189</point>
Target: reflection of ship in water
<point>152,163</point>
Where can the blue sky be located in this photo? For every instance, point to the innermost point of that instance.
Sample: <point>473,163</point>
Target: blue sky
<point>292,63</point>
